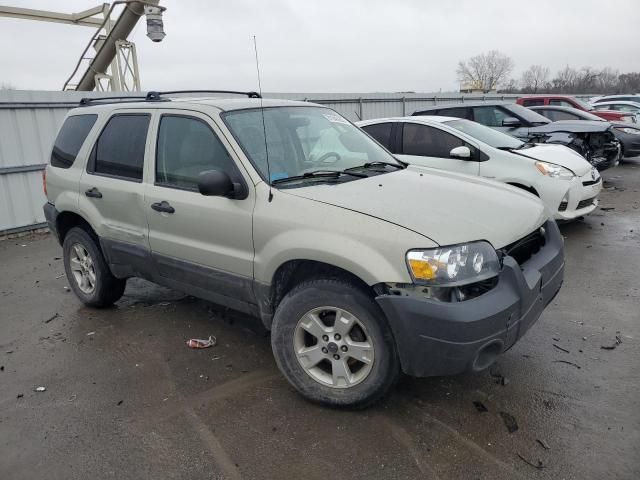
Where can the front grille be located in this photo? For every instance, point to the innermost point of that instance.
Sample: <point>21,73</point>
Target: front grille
<point>525,248</point>
<point>585,203</point>
<point>563,206</point>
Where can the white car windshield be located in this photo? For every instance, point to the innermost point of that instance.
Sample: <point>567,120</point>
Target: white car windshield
<point>487,135</point>
<point>302,141</point>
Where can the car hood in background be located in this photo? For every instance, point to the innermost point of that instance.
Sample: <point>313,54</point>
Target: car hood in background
<point>448,208</point>
<point>574,126</point>
<point>558,155</point>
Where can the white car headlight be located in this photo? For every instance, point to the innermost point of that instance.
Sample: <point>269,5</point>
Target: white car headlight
<point>554,171</point>
<point>632,131</point>
<point>455,265</point>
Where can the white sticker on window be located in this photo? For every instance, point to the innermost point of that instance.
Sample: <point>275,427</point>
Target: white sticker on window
<point>335,118</point>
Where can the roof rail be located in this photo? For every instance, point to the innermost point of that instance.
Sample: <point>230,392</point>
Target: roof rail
<point>156,96</point>
<point>86,101</point>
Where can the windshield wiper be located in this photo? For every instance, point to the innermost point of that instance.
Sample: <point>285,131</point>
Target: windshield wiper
<point>375,164</point>
<point>318,174</point>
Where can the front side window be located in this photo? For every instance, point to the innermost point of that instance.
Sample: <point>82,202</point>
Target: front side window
<point>381,132</point>
<point>72,135</point>
<point>560,115</point>
<point>459,112</point>
<point>532,102</point>
<point>302,140</point>
<point>491,137</point>
<point>186,147</point>
<point>489,116</point>
<point>428,141</point>
<point>560,103</point>
<point>119,151</point>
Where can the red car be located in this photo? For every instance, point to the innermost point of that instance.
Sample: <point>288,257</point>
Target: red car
<point>567,101</point>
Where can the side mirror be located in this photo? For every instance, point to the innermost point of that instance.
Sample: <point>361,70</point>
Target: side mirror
<point>511,122</point>
<point>462,153</point>
<point>216,183</point>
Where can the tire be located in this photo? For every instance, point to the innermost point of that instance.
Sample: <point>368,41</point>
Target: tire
<point>99,287</point>
<point>368,339</point>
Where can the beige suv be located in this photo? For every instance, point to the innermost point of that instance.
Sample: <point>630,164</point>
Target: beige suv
<point>361,266</point>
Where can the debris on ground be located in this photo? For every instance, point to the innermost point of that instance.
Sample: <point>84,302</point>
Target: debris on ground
<point>606,209</point>
<point>538,465</point>
<point>509,422</point>
<point>20,395</point>
<point>90,334</point>
<point>617,342</point>
<point>568,363</point>
<point>120,402</point>
<point>560,348</point>
<point>1,368</point>
<point>66,289</point>
<point>51,318</point>
<point>60,276</point>
<point>40,389</point>
<point>543,444</point>
<point>200,343</point>
<point>500,379</point>
<point>480,406</point>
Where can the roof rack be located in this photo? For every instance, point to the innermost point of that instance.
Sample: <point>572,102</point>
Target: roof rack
<point>157,96</point>
<point>88,101</point>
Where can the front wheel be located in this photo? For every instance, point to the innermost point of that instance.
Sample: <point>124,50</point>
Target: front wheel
<point>332,342</point>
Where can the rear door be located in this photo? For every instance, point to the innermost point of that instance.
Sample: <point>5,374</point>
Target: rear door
<point>198,241</point>
<point>429,146</point>
<point>111,189</point>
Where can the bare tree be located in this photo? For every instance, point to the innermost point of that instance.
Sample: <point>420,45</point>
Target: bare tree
<point>485,71</point>
<point>534,78</point>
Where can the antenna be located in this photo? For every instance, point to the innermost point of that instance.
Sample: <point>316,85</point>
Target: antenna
<point>264,127</point>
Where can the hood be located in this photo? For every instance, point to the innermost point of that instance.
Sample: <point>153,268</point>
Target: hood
<point>574,126</point>
<point>446,207</point>
<point>558,155</point>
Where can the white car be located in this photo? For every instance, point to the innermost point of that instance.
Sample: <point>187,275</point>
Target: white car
<point>567,184</point>
<point>619,106</point>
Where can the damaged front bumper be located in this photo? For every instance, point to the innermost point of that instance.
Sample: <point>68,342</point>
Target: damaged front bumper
<point>444,338</point>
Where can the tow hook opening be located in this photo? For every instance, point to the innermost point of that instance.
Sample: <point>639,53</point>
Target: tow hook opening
<point>487,355</point>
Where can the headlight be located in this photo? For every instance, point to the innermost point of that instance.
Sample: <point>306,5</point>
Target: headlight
<point>632,131</point>
<point>554,171</point>
<point>456,265</point>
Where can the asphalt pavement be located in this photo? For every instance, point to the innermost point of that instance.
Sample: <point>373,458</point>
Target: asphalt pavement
<point>126,398</point>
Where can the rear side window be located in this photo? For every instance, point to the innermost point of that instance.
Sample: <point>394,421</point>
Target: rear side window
<point>560,103</point>
<point>381,132</point>
<point>532,103</point>
<point>459,112</point>
<point>72,135</point>
<point>119,151</point>
<point>428,141</point>
<point>186,147</point>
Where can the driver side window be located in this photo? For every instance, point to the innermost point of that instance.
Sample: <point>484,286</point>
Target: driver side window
<point>186,147</point>
<point>426,141</point>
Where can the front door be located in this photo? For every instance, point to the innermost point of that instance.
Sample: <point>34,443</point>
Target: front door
<point>428,146</point>
<point>198,241</point>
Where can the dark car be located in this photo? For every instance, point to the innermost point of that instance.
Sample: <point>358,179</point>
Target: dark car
<point>628,135</point>
<point>572,102</point>
<point>595,141</point>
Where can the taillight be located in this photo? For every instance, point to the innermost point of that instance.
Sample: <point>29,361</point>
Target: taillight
<point>44,181</point>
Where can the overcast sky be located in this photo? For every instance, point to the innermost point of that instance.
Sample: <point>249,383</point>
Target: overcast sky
<point>333,45</point>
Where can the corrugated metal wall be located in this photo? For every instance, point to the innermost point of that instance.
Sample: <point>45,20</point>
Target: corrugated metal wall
<point>29,121</point>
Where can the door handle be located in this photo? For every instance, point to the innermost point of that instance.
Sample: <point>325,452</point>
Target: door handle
<point>163,206</point>
<point>93,193</point>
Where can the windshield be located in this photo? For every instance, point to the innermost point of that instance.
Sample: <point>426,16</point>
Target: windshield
<point>303,140</point>
<point>486,135</point>
<point>526,114</point>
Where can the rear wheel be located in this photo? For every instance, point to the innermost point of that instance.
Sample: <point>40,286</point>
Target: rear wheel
<point>332,342</point>
<point>88,272</point>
